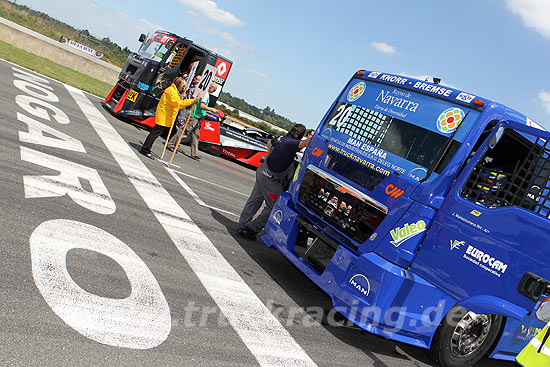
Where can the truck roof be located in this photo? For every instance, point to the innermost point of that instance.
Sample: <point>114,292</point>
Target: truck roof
<point>444,92</point>
<point>194,44</point>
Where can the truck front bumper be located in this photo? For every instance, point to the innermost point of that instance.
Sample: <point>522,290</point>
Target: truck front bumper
<point>375,294</point>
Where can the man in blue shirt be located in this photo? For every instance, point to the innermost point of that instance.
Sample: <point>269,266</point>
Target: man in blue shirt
<point>271,177</point>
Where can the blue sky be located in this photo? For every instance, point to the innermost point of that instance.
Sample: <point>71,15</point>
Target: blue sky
<point>295,56</point>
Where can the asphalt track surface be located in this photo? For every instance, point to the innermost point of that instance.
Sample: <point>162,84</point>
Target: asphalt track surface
<point>109,258</point>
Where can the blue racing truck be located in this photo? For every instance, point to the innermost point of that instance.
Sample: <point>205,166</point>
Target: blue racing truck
<point>423,212</point>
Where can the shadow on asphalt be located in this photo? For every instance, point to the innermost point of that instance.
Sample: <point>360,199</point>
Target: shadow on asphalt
<point>307,295</point>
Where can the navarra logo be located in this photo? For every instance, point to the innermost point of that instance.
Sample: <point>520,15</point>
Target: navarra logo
<point>356,91</point>
<point>401,235</point>
<point>449,120</point>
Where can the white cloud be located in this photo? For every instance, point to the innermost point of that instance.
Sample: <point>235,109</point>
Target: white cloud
<point>256,72</point>
<point>384,47</point>
<point>544,98</point>
<point>210,9</point>
<point>533,13</point>
<point>226,53</point>
<point>146,26</point>
<point>227,37</point>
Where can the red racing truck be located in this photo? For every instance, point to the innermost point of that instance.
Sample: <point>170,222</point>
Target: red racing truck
<point>160,59</point>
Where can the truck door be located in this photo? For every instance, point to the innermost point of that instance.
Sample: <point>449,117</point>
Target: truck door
<point>493,226</point>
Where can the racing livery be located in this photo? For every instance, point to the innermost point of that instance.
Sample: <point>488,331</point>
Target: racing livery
<point>423,212</point>
<point>146,73</point>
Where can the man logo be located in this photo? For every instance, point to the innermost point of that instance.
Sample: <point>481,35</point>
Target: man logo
<point>278,217</point>
<point>393,191</point>
<point>360,283</point>
<point>317,152</point>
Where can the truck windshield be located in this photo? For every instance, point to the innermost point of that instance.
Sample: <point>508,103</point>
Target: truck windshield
<point>156,47</point>
<point>396,129</point>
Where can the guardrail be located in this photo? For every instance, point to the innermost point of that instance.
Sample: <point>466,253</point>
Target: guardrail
<point>57,52</point>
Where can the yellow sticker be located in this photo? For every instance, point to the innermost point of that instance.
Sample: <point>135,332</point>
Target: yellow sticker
<point>132,95</point>
<point>476,213</point>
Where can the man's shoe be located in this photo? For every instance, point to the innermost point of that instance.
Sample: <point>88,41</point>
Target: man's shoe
<point>195,157</point>
<point>247,233</point>
<point>148,155</point>
<point>170,148</point>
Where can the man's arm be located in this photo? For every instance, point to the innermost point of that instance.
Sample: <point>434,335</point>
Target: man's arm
<point>304,143</point>
<point>211,109</point>
<point>269,146</point>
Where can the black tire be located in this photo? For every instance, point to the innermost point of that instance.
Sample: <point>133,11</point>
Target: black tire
<point>464,337</point>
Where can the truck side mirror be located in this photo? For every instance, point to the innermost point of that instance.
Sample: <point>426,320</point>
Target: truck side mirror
<point>142,38</point>
<point>497,137</point>
<point>533,286</point>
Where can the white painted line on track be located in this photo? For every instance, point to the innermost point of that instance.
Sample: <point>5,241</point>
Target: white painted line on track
<point>268,341</point>
<point>209,182</point>
<point>195,196</point>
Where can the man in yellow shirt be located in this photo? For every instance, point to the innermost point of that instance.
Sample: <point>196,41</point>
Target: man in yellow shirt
<point>167,110</point>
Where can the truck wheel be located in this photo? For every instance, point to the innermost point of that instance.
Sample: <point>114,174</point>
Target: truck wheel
<point>464,337</point>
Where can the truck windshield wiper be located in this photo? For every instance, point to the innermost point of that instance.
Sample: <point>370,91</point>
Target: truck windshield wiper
<point>443,150</point>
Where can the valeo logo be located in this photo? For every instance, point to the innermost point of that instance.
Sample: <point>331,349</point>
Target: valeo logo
<point>356,91</point>
<point>409,230</point>
<point>449,120</point>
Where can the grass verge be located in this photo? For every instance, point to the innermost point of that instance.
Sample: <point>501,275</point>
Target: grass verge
<point>53,70</point>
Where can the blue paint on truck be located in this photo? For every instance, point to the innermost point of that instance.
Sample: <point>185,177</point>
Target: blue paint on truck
<point>422,211</point>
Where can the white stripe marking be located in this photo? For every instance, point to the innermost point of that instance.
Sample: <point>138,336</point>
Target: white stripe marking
<point>195,196</point>
<point>268,341</point>
<point>211,183</point>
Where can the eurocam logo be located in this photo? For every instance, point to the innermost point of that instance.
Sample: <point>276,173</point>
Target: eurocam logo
<point>401,235</point>
<point>485,261</point>
<point>360,283</point>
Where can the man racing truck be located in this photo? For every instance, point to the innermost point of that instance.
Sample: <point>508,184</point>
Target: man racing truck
<point>423,212</point>
<point>160,59</point>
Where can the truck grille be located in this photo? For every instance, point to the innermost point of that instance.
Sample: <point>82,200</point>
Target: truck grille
<point>349,210</point>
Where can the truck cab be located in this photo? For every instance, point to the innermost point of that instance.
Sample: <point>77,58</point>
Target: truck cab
<point>423,212</point>
<point>161,58</point>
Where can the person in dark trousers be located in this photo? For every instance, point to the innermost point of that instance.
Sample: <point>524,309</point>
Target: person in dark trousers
<point>271,177</point>
<point>198,112</point>
<point>167,109</point>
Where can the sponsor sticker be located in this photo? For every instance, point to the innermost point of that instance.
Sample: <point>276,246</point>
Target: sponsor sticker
<point>317,152</point>
<point>222,67</point>
<point>356,91</point>
<point>534,124</point>
<point>374,74</point>
<point>278,217</point>
<point>143,86</point>
<point>475,213</point>
<point>394,191</point>
<point>360,283</point>
<point>409,230</point>
<point>465,97</point>
<point>449,120</point>
<point>132,95</point>
<point>483,260</point>
<point>456,244</point>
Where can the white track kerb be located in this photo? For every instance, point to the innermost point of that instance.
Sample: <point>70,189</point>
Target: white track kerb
<point>268,341</point>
